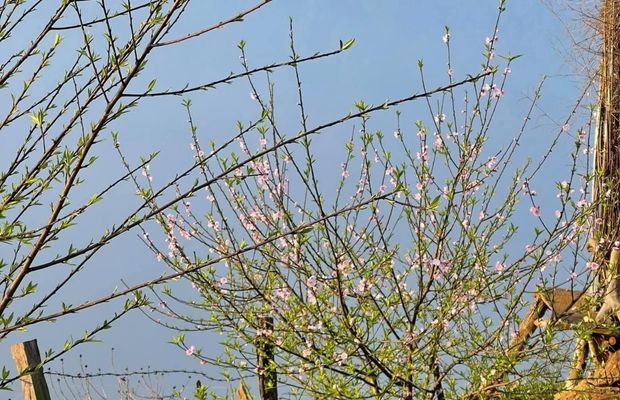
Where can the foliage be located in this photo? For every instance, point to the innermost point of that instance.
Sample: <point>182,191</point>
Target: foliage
<point>403,275</point>
<point>409,278</point>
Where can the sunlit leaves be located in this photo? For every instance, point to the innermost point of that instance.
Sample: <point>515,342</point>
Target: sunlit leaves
<point>346,45</point>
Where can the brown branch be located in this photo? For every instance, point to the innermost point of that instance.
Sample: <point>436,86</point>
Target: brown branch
<point>33,46</point>
<point>165,278</point>
<point>24,268</point>
<point>124,228</point>
<point>234,76</point>
<point>236,18</point>
<point>104,19</point>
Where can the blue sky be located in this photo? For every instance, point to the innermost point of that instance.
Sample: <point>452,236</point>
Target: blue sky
<point>391,35</point>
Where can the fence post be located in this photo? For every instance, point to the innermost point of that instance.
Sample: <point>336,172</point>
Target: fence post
<point>27,358</point>
<point>242,394</point>
<point>267,374</point>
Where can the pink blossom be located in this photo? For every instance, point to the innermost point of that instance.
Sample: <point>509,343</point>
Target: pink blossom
<point>190,350</point>
<point>361,287</point>
<point>311,282</point>
<point>565,128</point>
<point>283,293</point>
<point>535,211</point>
<point>499,267</point>
<point>185,234</point>
<point>491,163</point>
<point>423,154</point>
<point>146,173</point>
<point>497,93</point>
<point>340,357</point>
<point>438,142</point>
<point>311,298</point>
<point>592,265</point>
<point>581,135</point>
<point>485,89</point>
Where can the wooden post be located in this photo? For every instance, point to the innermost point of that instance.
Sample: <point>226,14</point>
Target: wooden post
<point>578,366</point>
<point>27,360</point>
<point>267,375</point>
<point>527,326</point>
<point>242,394</point>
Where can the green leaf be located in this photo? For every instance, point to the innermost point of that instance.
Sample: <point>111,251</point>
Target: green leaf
<point>434,204</point>
<point>178,340</point>
<point>360,105</point>
<point>151,85</point>
<point>95,198</point>
<point>36,119</point>
<point>346,45</point>
<point>511,57</point>
<point>306,230</point>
